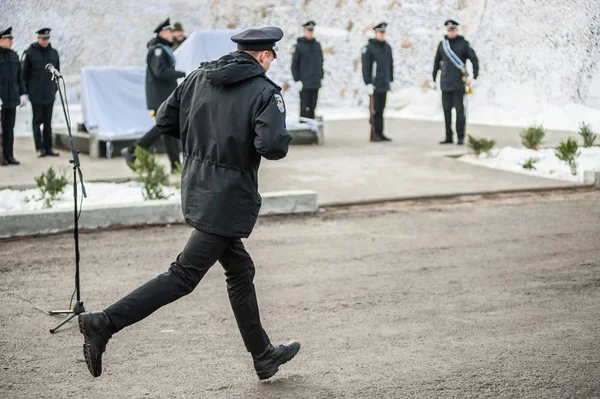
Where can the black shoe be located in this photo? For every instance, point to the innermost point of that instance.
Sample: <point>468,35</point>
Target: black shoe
<point>4,161</point>
<point>378,138</point>
<point>461,142</point>
<point>51,153</point>
<point>385,138</point>
<point>267,363</point>
<point>41,153</point>
<point>447,142</point>
<point>128,156</point>
<point>97,329</point>
<point>13,161</point>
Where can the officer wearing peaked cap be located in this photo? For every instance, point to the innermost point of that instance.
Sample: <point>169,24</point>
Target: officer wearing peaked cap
<point>161,80</point>
<point>228,115</point>
<point>41,89</point>
<point>451,57</point>
<point>378,73</point>
<point>12,94</point>
<point>307,68</point>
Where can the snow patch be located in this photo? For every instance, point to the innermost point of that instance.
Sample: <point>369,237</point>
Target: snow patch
<point>548,165</point>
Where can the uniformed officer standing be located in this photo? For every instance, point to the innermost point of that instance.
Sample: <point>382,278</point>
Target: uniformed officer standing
<point>307,67</point>
<point>161,80</point>
<point>378,73</point>
<point>228,114</point>
<point>41,89</point>
<point>12,93</point>
<point>451,57</point>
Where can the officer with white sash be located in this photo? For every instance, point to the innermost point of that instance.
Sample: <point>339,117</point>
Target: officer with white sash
<point>451,57</point>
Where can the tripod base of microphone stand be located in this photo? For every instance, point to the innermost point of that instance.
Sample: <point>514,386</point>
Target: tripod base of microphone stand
<point>77,310</point>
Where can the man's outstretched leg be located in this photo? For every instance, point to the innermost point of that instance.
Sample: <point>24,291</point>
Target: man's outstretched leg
<point>239,270</point>
<point>200,253</point>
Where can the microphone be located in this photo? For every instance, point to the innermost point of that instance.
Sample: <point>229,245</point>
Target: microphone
<point>53,71</point>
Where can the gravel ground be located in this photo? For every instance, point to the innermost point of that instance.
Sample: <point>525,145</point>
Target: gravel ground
<point>480,298</point>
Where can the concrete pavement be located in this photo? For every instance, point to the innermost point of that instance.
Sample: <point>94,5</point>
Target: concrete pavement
<point>347,168</point>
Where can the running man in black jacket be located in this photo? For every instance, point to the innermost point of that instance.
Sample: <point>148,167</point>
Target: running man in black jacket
<point>307,67</point>
<point>228,114</point>
<point>451,57</point>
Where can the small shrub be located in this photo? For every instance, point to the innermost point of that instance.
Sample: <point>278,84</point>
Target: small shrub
<point>568,151</point>
<point>586,133</point>
<point>51,185</point>
<point>529,164</point>
<point>532,137</point>
<point>150,173</point>
<point>480,145</point>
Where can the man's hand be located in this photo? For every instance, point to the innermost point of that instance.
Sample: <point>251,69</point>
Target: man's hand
<point>370,89</point>
<point>432,85</point>
<point>24,100</point>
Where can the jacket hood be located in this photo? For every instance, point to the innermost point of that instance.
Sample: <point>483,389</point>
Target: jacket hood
<point>157,40</point>
<point>232,68</point>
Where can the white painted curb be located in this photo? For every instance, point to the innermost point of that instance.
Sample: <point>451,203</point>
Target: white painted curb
<point>48,221</point>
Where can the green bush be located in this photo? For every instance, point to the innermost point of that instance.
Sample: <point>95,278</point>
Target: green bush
<point>480,145</point>
<point>51,185</point>
<point>585,131</point>
<point>568,151</point>
<point>150,173</point>
<point>529,164</point>
<point>532,137</point>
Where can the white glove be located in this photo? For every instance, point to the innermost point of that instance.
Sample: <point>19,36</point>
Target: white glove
<point>432,85</point>
<point>298,85</point>
<point>473,83</point>
<point>24,100</point>
<point>0,101</point>
<point>370,89</point>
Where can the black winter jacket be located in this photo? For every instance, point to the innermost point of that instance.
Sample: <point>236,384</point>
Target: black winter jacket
<point>379,54</point>
<point>307,63</point>
<point>227,114</point>
<point>161,76</point>
<point>40,87</point>
<point>452,78</point>
<point>11,82</point>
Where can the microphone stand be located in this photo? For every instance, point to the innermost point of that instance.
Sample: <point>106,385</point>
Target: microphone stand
<point>78,308</point>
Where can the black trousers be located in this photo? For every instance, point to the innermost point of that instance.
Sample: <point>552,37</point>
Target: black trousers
<point>200,253</point>
<point>42,115</point>
<point>9,116</point>
<point>172,145</point>
<point>308,102</point>
<point>454,99</point>
<point>379,100</point>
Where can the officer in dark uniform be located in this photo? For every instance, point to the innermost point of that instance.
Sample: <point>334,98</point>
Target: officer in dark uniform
<point>228,114</point>
<point>12,94</point>
<point>378,73</point>
<point>451,57</point>
<point>41,89</point>
<point>161,80</point>
<point>307,67</point>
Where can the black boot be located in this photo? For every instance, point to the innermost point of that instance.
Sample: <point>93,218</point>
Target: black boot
<point>127,154</point>
<point>97,329</point>
<point>267,363</point>
<point>41,153</point>
<point>4,161</point>
<point>447,141</point>
<point>51,153</point>
<point>385,138</point>
<point>13,161</point>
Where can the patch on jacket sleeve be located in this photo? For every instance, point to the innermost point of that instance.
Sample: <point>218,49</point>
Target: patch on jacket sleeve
<point>158,51</point>
<point>279,102</point>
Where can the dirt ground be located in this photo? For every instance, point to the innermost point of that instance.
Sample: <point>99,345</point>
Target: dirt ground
<point>463,299</point>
